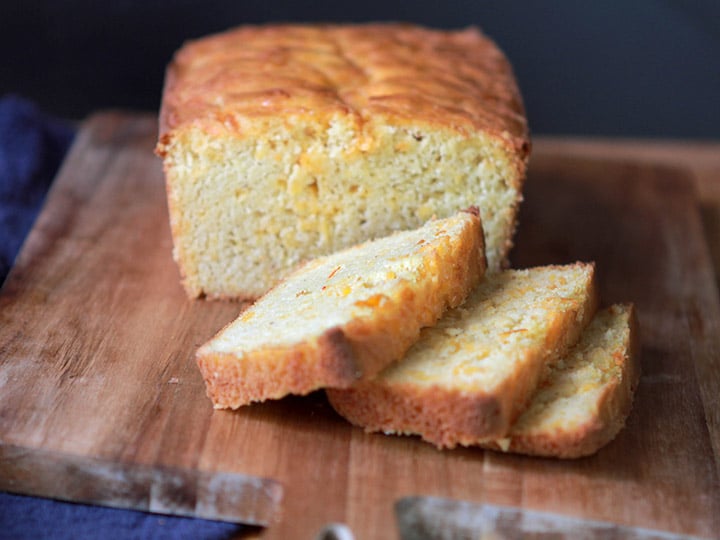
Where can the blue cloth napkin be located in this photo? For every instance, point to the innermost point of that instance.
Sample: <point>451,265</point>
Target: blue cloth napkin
<point>23,517</point>
<point>32,147</point>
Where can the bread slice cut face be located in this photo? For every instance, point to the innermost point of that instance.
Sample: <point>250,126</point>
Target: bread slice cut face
<point>344,317</point>
<point>469,377</point>
<point>585,398</point>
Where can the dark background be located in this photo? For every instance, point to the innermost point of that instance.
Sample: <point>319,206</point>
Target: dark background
<point>632,68</point>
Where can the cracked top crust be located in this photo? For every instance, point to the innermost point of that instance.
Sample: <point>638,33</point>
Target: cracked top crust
<point>458,79</point>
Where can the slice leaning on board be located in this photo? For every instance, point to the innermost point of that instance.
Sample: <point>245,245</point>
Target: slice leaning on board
<point>344,317</point>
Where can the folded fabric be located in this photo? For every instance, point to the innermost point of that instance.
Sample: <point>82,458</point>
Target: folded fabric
<point>29,517</point>
<point>32,146</point>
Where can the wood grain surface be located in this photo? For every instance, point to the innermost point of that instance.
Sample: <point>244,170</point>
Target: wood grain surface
<point>97,376</point>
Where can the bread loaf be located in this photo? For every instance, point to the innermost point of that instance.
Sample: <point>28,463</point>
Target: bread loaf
<point>469,377</point>
<point>282,143</point>
<point>345,316</point>
<point>585,398</point>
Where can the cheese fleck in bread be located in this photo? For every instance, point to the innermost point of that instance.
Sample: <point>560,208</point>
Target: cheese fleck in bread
<point>345,316</point>
<point>585,398</point>
<point>282,143</point>
<point>470,376</point>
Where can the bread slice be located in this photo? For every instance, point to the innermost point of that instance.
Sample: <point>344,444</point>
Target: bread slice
<point>346,316</point>
<point>585,398</point>
<point>282,143</point>
<point>470,376</point>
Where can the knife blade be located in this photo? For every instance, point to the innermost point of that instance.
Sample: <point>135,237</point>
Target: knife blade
<point>435,518</point>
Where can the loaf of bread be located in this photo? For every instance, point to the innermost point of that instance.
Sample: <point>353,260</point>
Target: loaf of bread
<point>469,377</point>
<point>585,398</point>
<point>282,143</point>
<point>346,316</point>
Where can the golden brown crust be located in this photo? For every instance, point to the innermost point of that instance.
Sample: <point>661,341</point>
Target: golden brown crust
<point>436,413</point>
<point>231,383</point>
<point>614,406</point>
<point>358,350</point>
<point>398,72</point>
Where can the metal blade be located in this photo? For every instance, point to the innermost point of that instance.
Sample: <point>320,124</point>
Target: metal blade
<point>434,518</point>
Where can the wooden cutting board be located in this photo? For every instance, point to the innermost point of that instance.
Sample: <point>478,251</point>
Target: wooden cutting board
<point>100,400</point>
